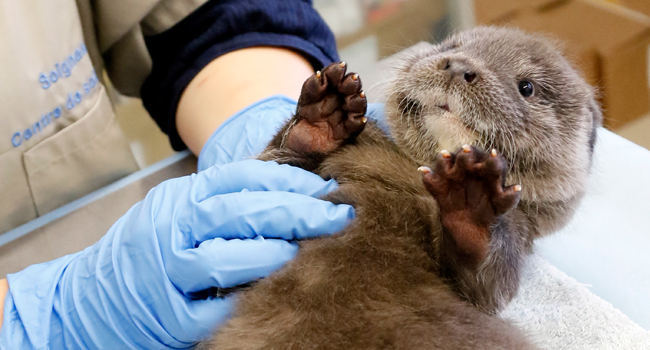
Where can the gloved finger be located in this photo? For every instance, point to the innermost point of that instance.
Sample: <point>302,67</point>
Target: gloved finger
<point>199,318</point>
<point>272,214</point>
<point>257,175</point>
<point>228,263</point>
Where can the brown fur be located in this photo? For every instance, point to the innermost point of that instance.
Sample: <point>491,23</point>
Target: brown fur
<point>390,280</point>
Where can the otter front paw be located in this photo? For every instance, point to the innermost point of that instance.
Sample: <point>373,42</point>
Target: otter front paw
<point>469,188</point>
<point>330,111</point>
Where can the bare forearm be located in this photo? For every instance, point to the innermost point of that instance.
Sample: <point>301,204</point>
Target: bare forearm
<point>232,82</point>
<point>4,288</point>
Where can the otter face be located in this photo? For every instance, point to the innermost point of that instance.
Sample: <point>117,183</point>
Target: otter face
<point>496,88</point>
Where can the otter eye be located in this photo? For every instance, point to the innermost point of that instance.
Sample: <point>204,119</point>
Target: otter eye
<point>526,88</point>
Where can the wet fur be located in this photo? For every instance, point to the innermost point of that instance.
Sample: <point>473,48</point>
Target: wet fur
<point>389,279</point>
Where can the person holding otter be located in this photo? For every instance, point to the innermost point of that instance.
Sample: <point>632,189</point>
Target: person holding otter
<point>195,64</point>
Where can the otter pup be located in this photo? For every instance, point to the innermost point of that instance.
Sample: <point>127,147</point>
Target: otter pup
<point>431,255</point>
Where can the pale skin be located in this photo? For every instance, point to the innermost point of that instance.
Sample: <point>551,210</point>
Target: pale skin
<point>4,288</point>
<point>226,85</point>
<point>252,74</point>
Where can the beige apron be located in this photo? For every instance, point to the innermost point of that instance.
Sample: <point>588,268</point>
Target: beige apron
<point>59,139</point>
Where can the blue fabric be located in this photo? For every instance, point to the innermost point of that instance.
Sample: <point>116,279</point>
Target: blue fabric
<point>221,26</point>
<point>245,134</point>
<point>227,225</point>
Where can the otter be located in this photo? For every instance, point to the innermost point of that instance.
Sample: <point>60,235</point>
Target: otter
<point>433,254</point>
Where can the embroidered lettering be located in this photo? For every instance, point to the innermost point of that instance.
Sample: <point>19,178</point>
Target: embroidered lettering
<point>74,99</point>
<point>45,84</point>
<point>46,119</point>
<point>92,82</point>
<point>62,69</point>
<point>16,140</point>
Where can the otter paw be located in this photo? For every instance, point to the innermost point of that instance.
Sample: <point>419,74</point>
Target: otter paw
<point>331,110</point>
<point>469,188</point>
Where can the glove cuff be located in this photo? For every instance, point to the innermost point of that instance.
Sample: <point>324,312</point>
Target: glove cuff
<point>12,333</point>
<point>246,133</point>
<point>30,314</point>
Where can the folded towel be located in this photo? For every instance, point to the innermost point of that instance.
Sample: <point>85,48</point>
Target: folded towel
<point>557,312</point>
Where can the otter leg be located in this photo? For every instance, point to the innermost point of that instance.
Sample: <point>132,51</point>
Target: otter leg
<point>331,112</point>
<point>482,242</point>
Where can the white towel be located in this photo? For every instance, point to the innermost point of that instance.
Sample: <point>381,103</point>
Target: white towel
<point>557,312</point>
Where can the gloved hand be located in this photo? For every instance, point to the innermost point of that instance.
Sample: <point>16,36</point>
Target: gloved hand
<point>221,227</point>
<point>249,131</point>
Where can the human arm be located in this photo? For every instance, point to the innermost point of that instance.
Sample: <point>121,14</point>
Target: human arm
<point>251,75</point>
<point>227,55</point>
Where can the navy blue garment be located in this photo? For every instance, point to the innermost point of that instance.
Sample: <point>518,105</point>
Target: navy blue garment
<point>221,26</point>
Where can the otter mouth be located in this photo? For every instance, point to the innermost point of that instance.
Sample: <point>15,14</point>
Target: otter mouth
<point>437,119</point>
<point>412,107</point>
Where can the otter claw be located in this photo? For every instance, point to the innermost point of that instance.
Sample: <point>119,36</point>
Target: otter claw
<point>362,94</point>
<point>364,120</point>
<point>425,170</point>
<point>468,187</point>
<point>493,153</point>
<point>329,111</point>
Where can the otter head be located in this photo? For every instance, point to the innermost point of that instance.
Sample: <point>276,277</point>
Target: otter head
<point>504,89</point>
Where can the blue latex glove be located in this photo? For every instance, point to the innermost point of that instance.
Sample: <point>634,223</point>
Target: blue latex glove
<point>249,131</point>
<point>222,227</point>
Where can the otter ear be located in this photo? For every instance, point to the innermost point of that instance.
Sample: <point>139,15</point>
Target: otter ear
<point>596,113</point>
<point>597,120</point>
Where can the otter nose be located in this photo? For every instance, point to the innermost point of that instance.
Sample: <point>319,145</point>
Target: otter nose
<point>459,69</point>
